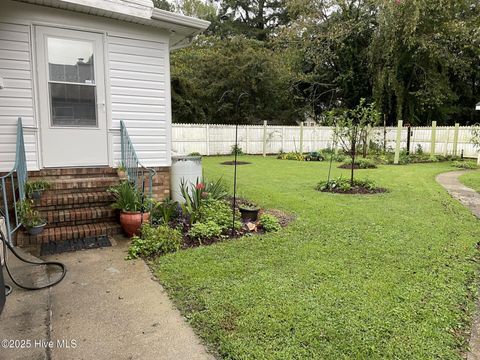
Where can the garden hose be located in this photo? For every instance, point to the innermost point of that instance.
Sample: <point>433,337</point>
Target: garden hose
<point>8,289</point>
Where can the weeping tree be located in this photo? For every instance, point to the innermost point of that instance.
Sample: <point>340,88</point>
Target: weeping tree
<point>350,127</point>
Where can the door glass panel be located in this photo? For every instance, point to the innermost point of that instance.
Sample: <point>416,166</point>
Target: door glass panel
<point>70,61</point>
<point>71,83</point>
<point>73,105</point>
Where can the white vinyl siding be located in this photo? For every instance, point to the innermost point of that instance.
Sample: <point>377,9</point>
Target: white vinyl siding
<point>138,81</point>
<point>16,98</point>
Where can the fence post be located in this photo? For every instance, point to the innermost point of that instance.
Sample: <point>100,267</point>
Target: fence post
<point>397,142</point>
<point>434,139</point>
<point>246,139</point>
<point>455,139</point>
<point>207,139</point>
<point>283,138</point>
<point>445,152</point>
<point>265,138</point>
<point>335,140</point>
<point>301,137</point>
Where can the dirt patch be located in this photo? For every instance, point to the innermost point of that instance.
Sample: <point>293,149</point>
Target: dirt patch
<point>359,190</point>
<point>283,218</point>
<point>233,163</point>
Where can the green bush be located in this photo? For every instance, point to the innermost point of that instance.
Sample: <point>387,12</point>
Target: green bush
<point>343,185</point>
<point>269,223</point>
<point>219,212</point>
<point>195,153</point>
<point>205,230</point>
<point>236,150</point>
<point>328,153</point>
<point>291,156</point>
<point>362,163</point>
<point>164,212</point>
<point>465,165</point>
<point>154,241</point>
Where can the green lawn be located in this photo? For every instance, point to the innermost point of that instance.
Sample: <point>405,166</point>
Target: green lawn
<point>472,180</point>
<point>357,277</point>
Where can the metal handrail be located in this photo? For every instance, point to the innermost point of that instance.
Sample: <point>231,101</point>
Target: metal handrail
<point>12,186</point>
<point>135,170</point>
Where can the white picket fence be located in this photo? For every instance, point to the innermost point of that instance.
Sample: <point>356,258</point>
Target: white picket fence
<point>208,139</point>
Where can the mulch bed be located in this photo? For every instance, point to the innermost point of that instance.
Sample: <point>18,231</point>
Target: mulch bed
<point>359,190</point>
<point>348,166</point>
<point>233,163</point>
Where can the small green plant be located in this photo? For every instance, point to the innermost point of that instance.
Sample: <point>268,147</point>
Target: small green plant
<point>269,223</point>
<point>362,163</point>
<point>205,230</point>
<point>121,167</point>
<point>419,149</point>
<point>154,241</point>
<point>343,185</point>
<point>465,165</point>
<point>127,197</point>
<point>292,156</point>
<point>216,190</point>
<point>236,150</point>
<point>163,212</point>
<point>219,212</point>
<point>35,186</point>
<point>29,217</point>
<point>195,153</point>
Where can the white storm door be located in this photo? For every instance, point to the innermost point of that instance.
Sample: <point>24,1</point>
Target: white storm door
<point>71,83</point>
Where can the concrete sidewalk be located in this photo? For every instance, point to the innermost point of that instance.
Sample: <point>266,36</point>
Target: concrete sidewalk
<point>471,200</point>
<point>105,308</point>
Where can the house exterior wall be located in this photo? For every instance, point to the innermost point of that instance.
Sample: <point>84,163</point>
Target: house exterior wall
<point>137,82</point>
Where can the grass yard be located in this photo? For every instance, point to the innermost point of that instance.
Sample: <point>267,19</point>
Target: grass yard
<point>376,276</point>
<point>472,180</point>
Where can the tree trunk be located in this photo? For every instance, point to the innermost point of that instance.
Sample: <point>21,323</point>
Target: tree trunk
<point>352,168</point>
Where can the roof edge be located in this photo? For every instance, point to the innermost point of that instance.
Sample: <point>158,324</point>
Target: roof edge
<point>177,19</point>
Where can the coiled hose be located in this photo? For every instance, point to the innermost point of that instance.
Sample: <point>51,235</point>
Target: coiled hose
<point>6,246</point>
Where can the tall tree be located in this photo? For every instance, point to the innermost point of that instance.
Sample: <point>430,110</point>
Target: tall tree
<point>421,53</point>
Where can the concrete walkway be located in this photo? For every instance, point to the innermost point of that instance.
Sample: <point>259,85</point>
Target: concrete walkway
<point>105,308</point>
<point>471,199</point>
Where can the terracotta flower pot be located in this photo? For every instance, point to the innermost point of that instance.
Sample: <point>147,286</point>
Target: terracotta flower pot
<point>132,221</point>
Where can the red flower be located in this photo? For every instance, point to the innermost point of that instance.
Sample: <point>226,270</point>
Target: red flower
<point>200,186</point>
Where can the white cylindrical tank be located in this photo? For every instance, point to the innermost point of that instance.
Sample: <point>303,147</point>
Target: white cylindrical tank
<point>187,169</point>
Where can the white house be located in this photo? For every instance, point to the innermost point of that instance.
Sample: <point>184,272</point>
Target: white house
<point>72,70</point>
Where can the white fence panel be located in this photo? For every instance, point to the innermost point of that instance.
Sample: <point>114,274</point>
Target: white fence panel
<point>217,139</point>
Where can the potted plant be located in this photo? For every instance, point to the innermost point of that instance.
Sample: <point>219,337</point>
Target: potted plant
<point>30,218</point>
<point>249,212</point>
<point>122,172</point>
<point>34,189</point>
<point>132,206</point>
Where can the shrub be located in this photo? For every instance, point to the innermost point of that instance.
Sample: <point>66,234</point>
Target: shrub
<point>292,156</point>
<point>343,185</point>
<point>163,212</point>
<point>219,212</point>
<point>154,241</point>
<point>269,223</point>
<point>205,230</point>
<point>195,153</point>
<point>236,150</point>
<point>328,153</point>
<point>465,165</point>
<point>362,163</point>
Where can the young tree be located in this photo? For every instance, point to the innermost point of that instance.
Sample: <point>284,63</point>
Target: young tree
<point>351,125</point>
<point>476,140</point>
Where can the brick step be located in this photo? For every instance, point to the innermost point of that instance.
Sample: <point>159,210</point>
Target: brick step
<point>78,216</point>
<point>55,201</point>
<point>70,186</point>
<point>71,173</point>
<point>68,233</point>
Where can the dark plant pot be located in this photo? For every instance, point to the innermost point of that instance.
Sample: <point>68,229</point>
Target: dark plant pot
<point>132,221</point>
<point>36,229</point>
<point>249,214</point>
<point>36,195</point>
